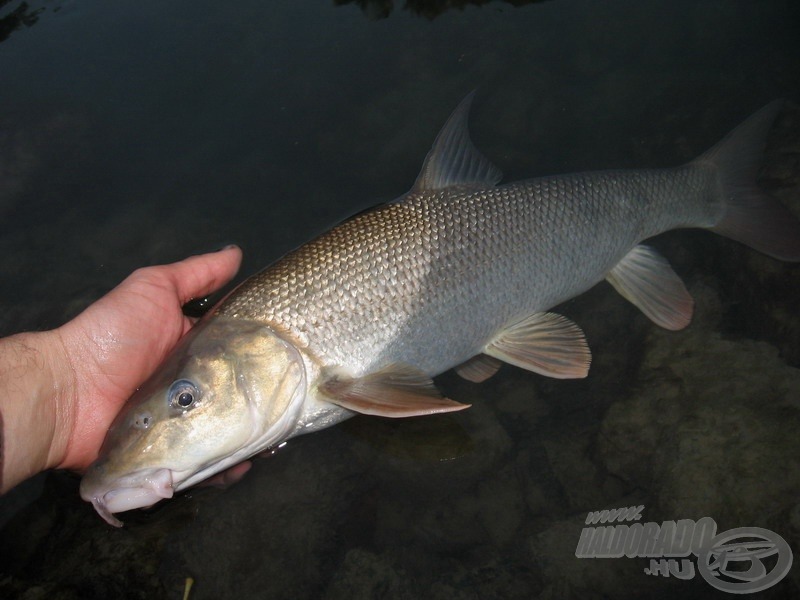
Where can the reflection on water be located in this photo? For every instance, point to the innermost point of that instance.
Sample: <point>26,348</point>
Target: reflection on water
<point>20,16</point>
<point>381,9</point>
<point>138,133</point>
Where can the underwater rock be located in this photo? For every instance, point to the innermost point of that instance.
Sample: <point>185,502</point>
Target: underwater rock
<point>440,450</point>
<point>712,430</point>
<point>268,535</point>
<point>364,574</point>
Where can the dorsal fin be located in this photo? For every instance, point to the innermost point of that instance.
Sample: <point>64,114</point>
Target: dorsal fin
<point>454,159</point>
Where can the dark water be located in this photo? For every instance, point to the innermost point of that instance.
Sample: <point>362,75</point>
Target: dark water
<point>138,133</point>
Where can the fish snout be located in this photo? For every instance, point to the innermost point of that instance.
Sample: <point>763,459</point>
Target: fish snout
<point>138,490</point>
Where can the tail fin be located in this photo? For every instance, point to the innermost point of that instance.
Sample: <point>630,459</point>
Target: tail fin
<point>750,216</point>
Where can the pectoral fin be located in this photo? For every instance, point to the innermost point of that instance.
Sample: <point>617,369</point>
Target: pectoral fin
<point>544,343</point>
<point>645,278</point>
<point>478,368</point>
<point>394,391</point>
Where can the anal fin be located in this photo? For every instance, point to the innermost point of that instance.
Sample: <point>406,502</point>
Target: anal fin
<point>645,278</point>
<point>395,391</point>
<point>545,343</point>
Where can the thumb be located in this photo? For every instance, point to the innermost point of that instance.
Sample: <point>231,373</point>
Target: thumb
<point>198,276</point>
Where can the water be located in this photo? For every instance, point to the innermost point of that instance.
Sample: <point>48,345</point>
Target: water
<point>138,133</point>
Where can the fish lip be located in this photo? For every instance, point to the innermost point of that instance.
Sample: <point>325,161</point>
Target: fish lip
<point>136,490</point>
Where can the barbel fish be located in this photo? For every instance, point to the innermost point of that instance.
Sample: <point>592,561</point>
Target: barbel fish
<point>458,272</point>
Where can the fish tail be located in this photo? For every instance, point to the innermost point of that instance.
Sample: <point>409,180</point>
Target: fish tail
<point>749,215</point>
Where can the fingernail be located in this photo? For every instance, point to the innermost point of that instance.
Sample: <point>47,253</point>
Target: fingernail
<point>228,247</point>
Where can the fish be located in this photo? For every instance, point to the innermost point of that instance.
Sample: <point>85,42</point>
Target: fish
<point>460,272</point>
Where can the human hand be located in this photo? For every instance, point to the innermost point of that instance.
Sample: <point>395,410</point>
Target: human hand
<point>117,342</point>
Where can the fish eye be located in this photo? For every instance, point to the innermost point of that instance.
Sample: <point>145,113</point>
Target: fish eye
<point>183,394</point>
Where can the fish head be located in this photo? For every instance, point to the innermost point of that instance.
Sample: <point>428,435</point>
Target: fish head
<point>230,389</point>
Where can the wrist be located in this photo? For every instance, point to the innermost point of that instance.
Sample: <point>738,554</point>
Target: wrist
<point>36,392</point>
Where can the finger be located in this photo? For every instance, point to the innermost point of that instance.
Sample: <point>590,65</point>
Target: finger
<point>228,477</point>
<point>200,275</point>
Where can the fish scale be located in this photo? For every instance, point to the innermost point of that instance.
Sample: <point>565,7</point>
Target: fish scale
<point>427,280</point>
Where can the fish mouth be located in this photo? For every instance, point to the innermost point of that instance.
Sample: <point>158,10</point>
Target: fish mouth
<point>139,490</point>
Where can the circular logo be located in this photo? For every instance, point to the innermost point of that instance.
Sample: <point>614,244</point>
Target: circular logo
<point>733,561</point>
